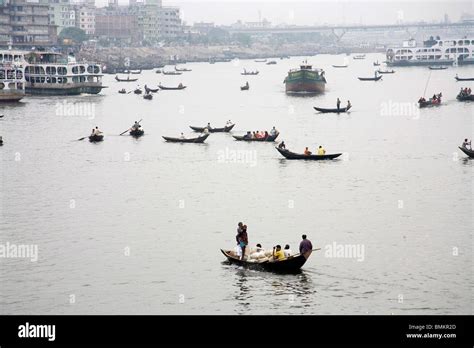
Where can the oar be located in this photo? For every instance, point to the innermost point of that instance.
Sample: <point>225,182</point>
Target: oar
<point>82,138</point>
<point>129,128</point>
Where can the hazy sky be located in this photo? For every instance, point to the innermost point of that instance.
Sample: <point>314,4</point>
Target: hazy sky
<point>307,12</point>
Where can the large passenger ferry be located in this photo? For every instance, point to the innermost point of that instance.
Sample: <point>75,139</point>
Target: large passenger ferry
<point>51,73</point>
<point>12,82</point>
<point>433,51</point>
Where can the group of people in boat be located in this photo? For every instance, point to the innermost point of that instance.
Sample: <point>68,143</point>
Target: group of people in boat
<point>465,92</point>
<point>136,126</point>
<point>96,132</point>
<point>436,99</point>
<point>465,144</point>
<point>258,253</point>
<point>261,134</point>
<point>320,151</point>
<point>338,104</point>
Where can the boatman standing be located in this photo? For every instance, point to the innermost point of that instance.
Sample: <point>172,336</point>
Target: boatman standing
<point>338,103</point>
<point>242,238</point>
<point>305,245</point>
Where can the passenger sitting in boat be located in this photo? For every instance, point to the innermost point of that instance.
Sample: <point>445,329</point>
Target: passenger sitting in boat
<point>307,152</point>
<point>321,151</point>
<point>254,135</point>
<point>248,135</point>
<point>180,85</point>
<point>97,131</point>
<point>434,98</point>
<point>182,136</point>
<point>209,125</point>
<point>273,131</point>
<point>228,123</point>
<point>205,131</point>
<point>469,91</point>
<point>136,126</point>
<point>465,144</point>
<point>278,254</point>
<point>282,145</point>
<point>288,251</point>
<point>258,135</point>
<point>265,136</point>
<point>421,100</point>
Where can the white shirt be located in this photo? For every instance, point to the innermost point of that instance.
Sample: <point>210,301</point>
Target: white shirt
<point>288,252</point>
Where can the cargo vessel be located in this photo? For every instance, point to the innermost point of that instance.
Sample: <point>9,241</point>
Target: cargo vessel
<point>306,79</point>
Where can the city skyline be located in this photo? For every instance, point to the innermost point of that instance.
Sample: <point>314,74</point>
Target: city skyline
<point>226,12</point>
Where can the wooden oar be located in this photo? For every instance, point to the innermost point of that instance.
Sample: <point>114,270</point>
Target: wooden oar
<point>129,128</point>
<point>82,138</point>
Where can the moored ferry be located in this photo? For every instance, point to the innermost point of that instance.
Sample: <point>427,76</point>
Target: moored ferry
<point>434,51</point>
<point>51,73</point>
<point>306,79</point>
<point>12,82</point>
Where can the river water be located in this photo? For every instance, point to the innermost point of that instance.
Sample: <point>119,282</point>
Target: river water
<point>135,226</point>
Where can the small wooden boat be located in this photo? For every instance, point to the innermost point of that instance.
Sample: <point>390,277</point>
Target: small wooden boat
<point>158,71</point>
<point>122,91</point>
<point>336,110</point>
<point>213,130</point>
<point>428,103</point>
<point>362,56</point>
<point>1,142</point>
<point>172,73</point>
<point>250,73</point>
<point>137,91</point>
<point>199,139</point>
<point>96,138</point>
<point>260,60</point>
<point>463,97</point>
<point>171,88</point>
<point>468,152</point>
<point>137,132</point>
<point>151,90</point>
<point>183,69</point>
<point>128,79</point>
<point>340,66</point>
<point>270,138</point>
<point>437,67</point>
<point>386,71</point>
<point>244,88</point>
<point>136,72</point>
<point>464,79</point>
<point>148,96</point>
<point>376,64</point>
<point>291,264</point>
<point>272,62</point>
<point>370,78</point>
<point>297,156</point>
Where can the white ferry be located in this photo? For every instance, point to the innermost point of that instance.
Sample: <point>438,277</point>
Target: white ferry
<point>433,52</point>
<point>12,82</point>
<point>50,73</point>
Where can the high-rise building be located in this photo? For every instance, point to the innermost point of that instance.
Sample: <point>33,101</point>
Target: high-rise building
<point>170,25</point>
<point>26,23</point>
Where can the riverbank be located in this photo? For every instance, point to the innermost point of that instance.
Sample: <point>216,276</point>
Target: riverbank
<point>115,58</point>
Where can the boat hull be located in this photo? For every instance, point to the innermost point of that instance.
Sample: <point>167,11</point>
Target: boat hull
<point>305,81</point>
<point>337,111</point>
<point>52,89</point>
<point>270,138</point>
<point>212,130</point>
<point>288,266</point>
<point>296,156</point>
<point>96,138</point>
<point>192,140</point>
<point>8,96</point>
<point>468,152</point>
<point>465,97</point>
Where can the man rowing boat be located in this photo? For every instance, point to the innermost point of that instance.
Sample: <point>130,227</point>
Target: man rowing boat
<point>305,245</point>
<point>242,238</point>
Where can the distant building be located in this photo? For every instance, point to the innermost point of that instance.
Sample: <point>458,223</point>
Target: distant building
<point>62,14</point>
<point>26,23</point>
<point>170,23</point>
<point>85,19</point>
<point>117,24</point>
<point>203,27</point>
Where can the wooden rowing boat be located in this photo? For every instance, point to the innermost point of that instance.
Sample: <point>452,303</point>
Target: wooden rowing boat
<point>340,66</point>
<point>137,132</point>
<point>324,110</point>
<point>296,156</point>
<point>469,97</point>
<point>184,69</point>
<point>245,88</point>
<point>464,79</point>
<point>171,88</point>
<point>96,138</point>
<point>370,78</point>
<point>148,96</point>
<point>386,71</point>
<point>172,73</point>
<point>250,73</point>
<point>137,91</point>
<point>128,79</point>
<point>437,67</point>
<point>428,103</point>
<point>468,152</point>
<point>270,138</point>
<point>291,264</point>
<point>199,139</point>
<point>151,90</point>
<point>213,130</point>
<point>137,72</point>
